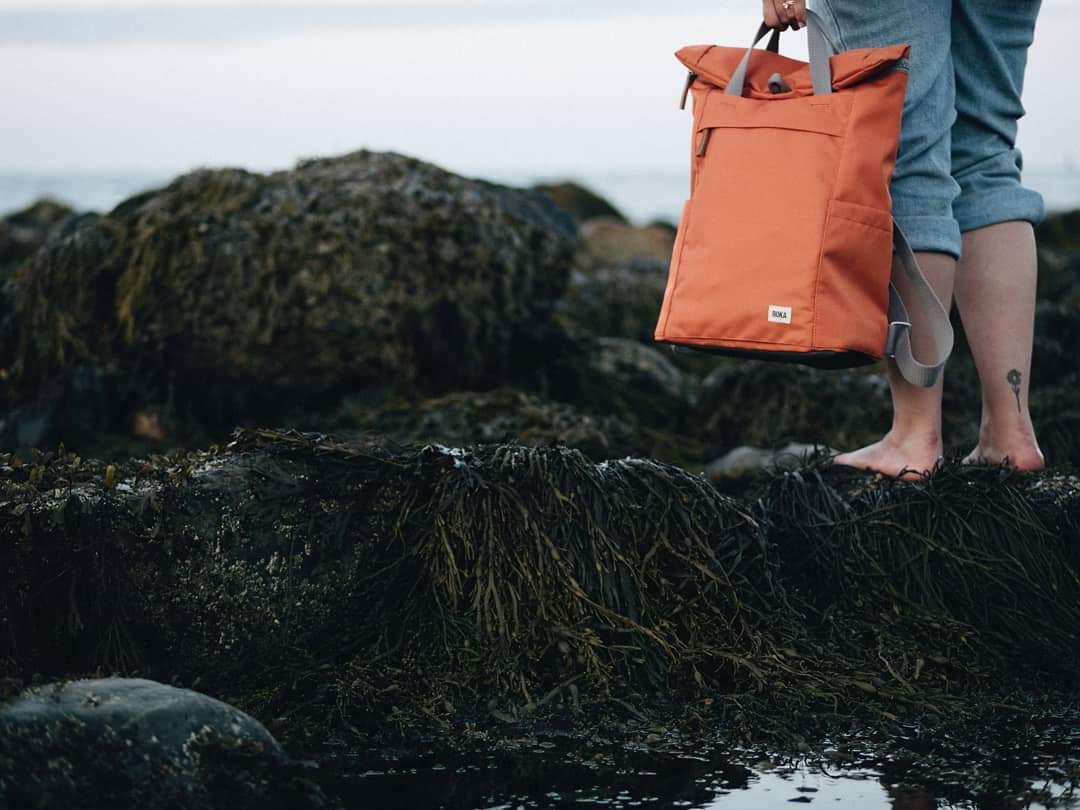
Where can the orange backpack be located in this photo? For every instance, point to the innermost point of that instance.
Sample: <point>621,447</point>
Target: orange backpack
<point>785,247</point>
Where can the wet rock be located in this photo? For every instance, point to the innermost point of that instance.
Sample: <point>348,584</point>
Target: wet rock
<point>608,243</point>
<point>760,404</point>
<point>620,301</point>
<point>579,201</point>
<point>366,269</point>
<point>136,743</point>
<point>624,377</point>
<point>745,461</point>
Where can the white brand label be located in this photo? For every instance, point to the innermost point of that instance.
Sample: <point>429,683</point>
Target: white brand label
<point>779,314</point>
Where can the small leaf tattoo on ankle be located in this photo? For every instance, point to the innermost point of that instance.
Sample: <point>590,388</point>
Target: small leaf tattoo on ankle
<point>1014,377</point>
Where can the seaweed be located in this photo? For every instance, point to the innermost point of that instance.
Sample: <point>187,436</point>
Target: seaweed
<point>357,588</point>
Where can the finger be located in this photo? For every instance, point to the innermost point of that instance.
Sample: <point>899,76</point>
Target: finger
<point>768,11</point>
<point>782,14</point>
<point>799,12</point>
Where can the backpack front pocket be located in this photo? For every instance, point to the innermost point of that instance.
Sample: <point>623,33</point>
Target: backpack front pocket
<point>853,279</point>
<point>764,173</point>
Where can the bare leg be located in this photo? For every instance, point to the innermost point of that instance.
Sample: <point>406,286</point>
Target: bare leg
<point>995,293</point>
<point>914,444</point>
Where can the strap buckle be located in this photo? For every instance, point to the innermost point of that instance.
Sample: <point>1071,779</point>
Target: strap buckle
<point>896,330</point>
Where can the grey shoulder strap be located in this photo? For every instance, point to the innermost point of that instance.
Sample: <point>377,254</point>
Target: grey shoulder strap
<point>911,294</point>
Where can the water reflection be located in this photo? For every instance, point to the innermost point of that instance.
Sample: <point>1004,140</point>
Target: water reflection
<point>613,779</point>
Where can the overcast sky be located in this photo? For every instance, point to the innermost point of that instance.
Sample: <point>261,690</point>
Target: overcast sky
<point>477,85</point>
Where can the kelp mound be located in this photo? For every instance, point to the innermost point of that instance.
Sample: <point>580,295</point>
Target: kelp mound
<point>371,268</point>
<point>341,588</point>
<point>502,415</point>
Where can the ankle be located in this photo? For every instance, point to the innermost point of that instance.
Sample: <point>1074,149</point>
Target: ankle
<point>1013,432</point>
<point>926,437</point>
<point>1015,443</point>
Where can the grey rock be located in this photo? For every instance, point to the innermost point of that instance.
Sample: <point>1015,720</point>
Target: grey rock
<point>160,719</point>
<point>618,301</point>
<point>135,743</point>
<point>743,461</point>
<point>611,375</point>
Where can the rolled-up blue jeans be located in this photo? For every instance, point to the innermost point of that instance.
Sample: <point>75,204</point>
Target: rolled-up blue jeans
<point>958,167</point>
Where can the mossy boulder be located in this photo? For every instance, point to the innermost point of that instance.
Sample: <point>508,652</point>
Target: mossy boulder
<point>23,232</point>
<point>366,269</point>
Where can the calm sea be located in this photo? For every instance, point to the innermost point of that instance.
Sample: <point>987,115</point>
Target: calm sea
<point>643,195</point>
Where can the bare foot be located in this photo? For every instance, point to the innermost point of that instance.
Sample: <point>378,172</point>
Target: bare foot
<point>1020,455</point>
<point>908,458</point>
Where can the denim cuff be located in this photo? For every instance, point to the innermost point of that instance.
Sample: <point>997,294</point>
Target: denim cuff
<point>991,206</point>
<point>932,234</point>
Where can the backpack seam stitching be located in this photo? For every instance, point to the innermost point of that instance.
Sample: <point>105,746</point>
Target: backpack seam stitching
<point>695,184</point>
<point>825,226</point>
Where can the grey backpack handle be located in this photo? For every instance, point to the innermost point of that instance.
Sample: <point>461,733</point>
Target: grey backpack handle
<point>821,48</point>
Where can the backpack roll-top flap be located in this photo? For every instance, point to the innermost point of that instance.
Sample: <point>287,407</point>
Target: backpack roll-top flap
<point>715,64</point>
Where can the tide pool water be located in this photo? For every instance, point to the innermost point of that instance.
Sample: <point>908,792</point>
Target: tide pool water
<point>636,777</point>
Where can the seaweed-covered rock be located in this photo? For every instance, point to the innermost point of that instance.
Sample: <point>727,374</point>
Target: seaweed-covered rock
<point>580,201</point>
<point>290,571</point>
<point>991,552</point>
<point>22,233</point>
<point>364,269</point>
<point>139,744</point>
<point>336,588</point>
<point>1060,233</point>
<point>484,417</point>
